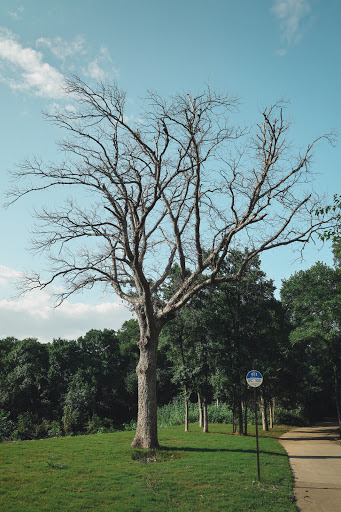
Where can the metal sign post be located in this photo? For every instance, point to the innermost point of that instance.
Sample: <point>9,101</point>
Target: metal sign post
<point>255,379</point>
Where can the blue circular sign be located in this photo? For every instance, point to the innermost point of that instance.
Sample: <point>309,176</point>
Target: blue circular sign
<point>254,378</point>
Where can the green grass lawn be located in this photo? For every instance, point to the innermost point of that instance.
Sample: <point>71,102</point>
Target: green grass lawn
<point>192,472</point>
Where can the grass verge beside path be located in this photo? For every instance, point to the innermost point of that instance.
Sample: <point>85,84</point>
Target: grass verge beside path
<point>192,471</point>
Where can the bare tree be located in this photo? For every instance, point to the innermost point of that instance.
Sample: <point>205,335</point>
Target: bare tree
<point>179,185</point>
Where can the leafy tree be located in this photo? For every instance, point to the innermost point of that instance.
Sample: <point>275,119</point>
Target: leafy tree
<point>243,316</point>
<point>24,388</point>
<point>169,186</point>
<point>313,300</point>
<point>80,402</point>
<point>6,346</point>
<point>128,336</point>
<point>102,369</point>
<point>221,332</point>
<point>64,360</point>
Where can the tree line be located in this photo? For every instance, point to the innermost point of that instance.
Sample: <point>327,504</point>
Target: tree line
<point>74,386</point>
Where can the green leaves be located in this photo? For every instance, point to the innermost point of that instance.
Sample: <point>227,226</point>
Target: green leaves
<point>332,233</point>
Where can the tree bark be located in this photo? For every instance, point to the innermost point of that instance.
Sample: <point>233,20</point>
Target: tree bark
<point>270,414</point>
<point>264,415</point>
<point>337,396</point>
<point>146,431</point>
<point>200,411</point>
<point>245,418</point>
<point>205,426</point>
<point>239,430</point>
<point>273,411</point>
<point>186,409</point>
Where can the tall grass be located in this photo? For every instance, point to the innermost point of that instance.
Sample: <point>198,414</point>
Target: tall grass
<point>174,413</point>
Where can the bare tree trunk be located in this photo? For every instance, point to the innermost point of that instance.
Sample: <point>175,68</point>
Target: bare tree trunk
<point>264,415</point>
<point>270,414</point>
<point>205,426</point>
<point>234,427</point>
<point>146,431</point>
<point>273,411</point>
<point>337,396</point>
<point>217,403</point>
<point>186,409</point>
<point>200,411</point>
<point>245,418</point>
<point>239,430</point>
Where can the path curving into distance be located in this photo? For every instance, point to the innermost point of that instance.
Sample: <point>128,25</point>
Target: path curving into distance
<point>315,459</point>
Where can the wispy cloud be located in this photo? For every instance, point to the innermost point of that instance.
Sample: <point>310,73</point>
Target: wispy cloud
<point>292,16</point>
<point>33,316</point>
<point>62,49</point>
<point>101,67</point>
<point>24,69</point>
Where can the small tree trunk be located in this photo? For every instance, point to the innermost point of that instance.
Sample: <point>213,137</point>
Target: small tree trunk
<point>146,430</point>
<point>186,409</point>
<point>234,426</point>
<point>264,415</point>
<point>245,418</point>
<point>239,430</point>
<point>205,426</point>
<point>200,411</point>
<point>337,397</point>
<point>273,410</point>
<point>270,414</point>
<point>217,403</point>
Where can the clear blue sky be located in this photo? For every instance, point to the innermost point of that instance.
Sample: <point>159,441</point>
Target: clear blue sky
<point>259,51</point>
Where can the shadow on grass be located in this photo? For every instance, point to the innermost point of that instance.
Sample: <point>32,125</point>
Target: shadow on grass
<point>218,450</point>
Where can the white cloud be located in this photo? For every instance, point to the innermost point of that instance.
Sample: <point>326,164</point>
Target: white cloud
<point>24,69</point>
<point>61,48</point>
<point>32,315</point>
<point>292,15</point>
<point>97,68</point>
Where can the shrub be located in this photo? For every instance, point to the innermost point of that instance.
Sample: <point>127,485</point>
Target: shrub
<point>293,417</point>
<point>54,429</point>
<point>7,426</point>
<point>130,426</point>
<point>70,421</point>
<point>27,426</point>
<point>97,425</point>
<point>219,414</point>
<point>174,413</point>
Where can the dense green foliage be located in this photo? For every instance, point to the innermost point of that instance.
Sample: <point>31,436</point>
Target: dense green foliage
<point>68,386</point>
<point>89,385</point>
<point>192,471</point>
<point>313,301</point>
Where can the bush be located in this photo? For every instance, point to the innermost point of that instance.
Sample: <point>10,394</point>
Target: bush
<point>174,413</point>
<point>27,426</point>
<point>219,414</point>
<point>130,426</point>
<point>70,421</point>
<point>7,426</point>
<point>97,425</point>
<point>54,429</point>
<point>293,417</point>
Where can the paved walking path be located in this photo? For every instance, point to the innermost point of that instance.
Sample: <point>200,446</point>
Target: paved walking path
<point>315,459</point>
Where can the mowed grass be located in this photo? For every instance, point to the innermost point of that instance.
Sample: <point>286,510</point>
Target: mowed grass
<point>193,471</point>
